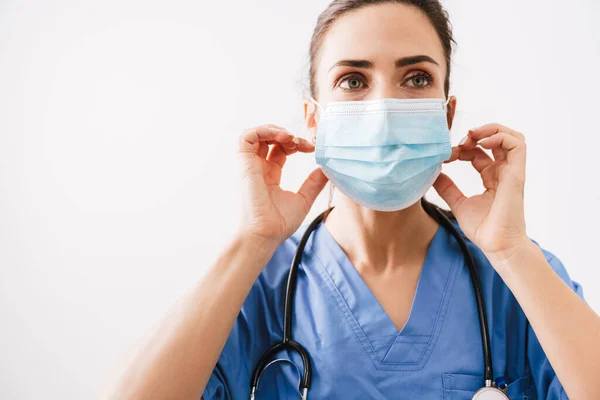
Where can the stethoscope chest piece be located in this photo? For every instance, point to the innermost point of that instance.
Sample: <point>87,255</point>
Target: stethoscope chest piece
<point>490,393</point>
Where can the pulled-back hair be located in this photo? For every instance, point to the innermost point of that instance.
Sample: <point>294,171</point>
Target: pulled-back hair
<point>433,9</point>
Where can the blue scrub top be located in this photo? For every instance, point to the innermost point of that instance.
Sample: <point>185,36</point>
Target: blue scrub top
<point>357,352</point>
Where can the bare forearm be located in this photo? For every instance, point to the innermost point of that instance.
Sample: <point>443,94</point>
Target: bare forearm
<point>567,328</point>
<point>178,357</point>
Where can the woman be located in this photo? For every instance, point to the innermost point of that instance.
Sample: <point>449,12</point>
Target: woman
<point>384,302</point>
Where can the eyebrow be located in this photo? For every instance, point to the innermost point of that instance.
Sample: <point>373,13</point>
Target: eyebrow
<point>400,63</point>
<point>406,61</point>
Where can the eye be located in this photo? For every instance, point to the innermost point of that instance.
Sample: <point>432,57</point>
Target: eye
<point>420,80</point>
<point>352,82</point>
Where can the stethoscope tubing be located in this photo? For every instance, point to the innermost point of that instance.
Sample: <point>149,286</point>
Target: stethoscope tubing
<point>287,343</point>
<point>479,298</point>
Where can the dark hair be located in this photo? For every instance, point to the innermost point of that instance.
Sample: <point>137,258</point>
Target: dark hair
<point>434,11</point>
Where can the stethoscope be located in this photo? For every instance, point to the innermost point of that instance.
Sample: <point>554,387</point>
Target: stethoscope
<point>490,391</point>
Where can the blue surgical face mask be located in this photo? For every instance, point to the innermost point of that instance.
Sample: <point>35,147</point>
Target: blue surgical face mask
<point>384,154</point>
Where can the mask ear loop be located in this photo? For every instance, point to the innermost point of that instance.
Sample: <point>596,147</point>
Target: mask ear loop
<point>331,185</point>
<point>314,101</point>
<point>331,191</point>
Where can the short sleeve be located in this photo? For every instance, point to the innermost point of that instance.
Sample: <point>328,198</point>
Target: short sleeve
<point>232,367</point>
<point>256,328</point>
<point>231,376</point>
<point>547,384</point>
<point>216,388</point>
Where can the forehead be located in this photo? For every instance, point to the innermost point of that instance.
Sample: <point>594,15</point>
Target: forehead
<point>380,33</point>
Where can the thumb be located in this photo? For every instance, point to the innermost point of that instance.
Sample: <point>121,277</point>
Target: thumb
<point>448,191</point>
<point>312,186</point>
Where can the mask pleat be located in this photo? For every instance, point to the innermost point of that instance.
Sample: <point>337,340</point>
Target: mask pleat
<point>384,154</point>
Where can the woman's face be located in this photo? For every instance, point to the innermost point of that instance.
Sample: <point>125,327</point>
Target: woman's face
<point>380,51</point>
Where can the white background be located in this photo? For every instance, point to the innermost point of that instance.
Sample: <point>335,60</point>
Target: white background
<point>118,125</point>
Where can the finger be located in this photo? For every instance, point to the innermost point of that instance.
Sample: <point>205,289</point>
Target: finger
<point>278,155</point>
<point>467,142</point>
<point>263,149</point>
<point>288,146</point>
<point>503,141</point>
<point>305,146</point>
<point>291,142</point>
<point>299,144</point>
<point>448,191</point>
<point>492,129</point>
<point>506,146</point>
<point>478,158</point>
<point>499,153</point>
<point>249,140</point>
<point>453,156</point>
<point>312,186</point>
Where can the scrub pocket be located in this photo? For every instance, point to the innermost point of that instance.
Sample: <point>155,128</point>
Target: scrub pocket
<point>463,387</point>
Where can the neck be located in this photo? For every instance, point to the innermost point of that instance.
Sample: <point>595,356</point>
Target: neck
<point>380,241</point>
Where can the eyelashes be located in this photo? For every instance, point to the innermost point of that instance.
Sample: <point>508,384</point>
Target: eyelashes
<point>355,81</point>
<point>354,77</point>
<point>421,75</point>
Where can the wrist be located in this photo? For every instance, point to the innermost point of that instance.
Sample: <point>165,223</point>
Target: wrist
<point>243,259</point>
<point>505,258</point>
<point>255,244</point>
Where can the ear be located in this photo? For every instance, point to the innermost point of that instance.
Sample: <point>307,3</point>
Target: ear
<point>310,121</point>
<point>451,111</point>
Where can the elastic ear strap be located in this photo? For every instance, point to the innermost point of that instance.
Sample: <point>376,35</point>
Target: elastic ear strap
<point>316,102</point>
<point>447,101</point>
<point>331,189</point>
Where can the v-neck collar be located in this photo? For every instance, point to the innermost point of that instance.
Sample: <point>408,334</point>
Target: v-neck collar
<point>409,348</point>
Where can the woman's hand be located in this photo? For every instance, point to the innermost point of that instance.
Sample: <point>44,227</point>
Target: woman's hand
<point>493,220</point>
<point>270,212</point>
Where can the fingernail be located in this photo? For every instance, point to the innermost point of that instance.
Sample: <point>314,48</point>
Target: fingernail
<point>295,140</point>
<point>463,140</point>
<point>274,129</point>
<point>474,129</point>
